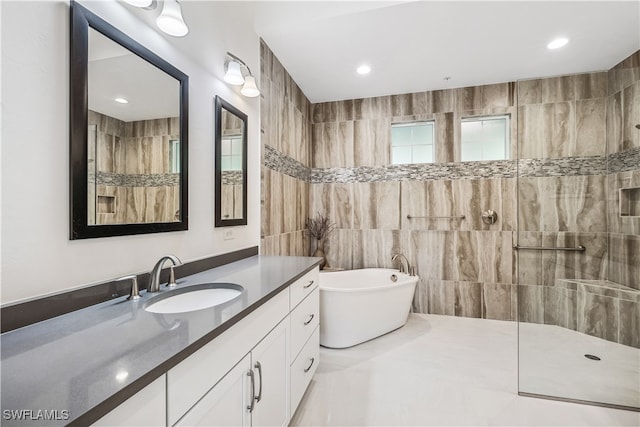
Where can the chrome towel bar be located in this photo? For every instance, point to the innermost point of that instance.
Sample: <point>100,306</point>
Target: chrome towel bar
<point>542,248</point>
<point>436,217</point>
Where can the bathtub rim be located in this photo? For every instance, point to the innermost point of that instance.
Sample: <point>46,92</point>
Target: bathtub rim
<point>403,280</point>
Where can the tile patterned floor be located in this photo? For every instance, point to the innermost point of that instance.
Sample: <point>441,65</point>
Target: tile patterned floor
<point>437,370</point>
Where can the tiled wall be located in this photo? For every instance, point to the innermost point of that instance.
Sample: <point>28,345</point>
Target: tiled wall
<point>286,136</point>
<point>132,171</point>
<point>465,266</point>
<point>554,191</point>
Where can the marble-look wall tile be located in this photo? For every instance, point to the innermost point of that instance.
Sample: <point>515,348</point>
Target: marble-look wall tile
<point>614,123</point>
<point>483,256</point>
<point>265,201</point>
<point>591,127</point>
<point>444,101</point>
<point>339,249</point>
<point>376,205</point>
<point>496,301</point>
<point>571,203</point>
<point>288,244</point>
<point>529,262</point>
<point>560,307</point>
<point>590,264</point>
<point>624,259</point>
<point>433,253</point>
<point>333,145</point>
<point>334,200</point>
<point>558,89</point>
<point>375,248</point>
<point>401,105</point>
<point>625,73</point>
<point>372,139</point>
<point>598,316</point>
<point>631,116</point>
<point>529,92</point>
<point>468,98</point>
<point>468,299</point>
<point>441,297</point>
<point>499,95</point>
<point>445,140</point>
<point>422,102</point>
<point>428,199</point>
<point>372,108</point>
<point>559,129</point>
<point>629,324</point>
<point>530,304</point>
<point>591,85</point>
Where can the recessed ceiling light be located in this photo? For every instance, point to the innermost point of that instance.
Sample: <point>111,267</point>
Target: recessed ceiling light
<point>121,101</point>
<point>363,69</point>
<point>558,43</point>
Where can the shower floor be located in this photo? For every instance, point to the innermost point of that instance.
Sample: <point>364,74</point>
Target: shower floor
<point>442,370</point>
<point>552,362</point>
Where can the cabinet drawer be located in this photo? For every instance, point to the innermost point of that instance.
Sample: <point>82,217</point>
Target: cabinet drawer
<point>305,318</point>
<point>303,287</point>
<point>188,381</point>
<point>303,368</point>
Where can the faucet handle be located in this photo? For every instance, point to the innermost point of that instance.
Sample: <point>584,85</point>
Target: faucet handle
<point>134,294</point>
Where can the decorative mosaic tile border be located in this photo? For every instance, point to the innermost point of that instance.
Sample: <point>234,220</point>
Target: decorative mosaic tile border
<point>279,162</point>
<point>232,178</point>
<point>135,180</point>
<point>566,166</point>
<point>624,161</point>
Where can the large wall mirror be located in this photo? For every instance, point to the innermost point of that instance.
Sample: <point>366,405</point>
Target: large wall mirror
<point>129,128</point>
<point>230,164</point>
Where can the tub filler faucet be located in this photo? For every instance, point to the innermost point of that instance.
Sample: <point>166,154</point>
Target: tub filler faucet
<point>154,280</point>
<point>404,264</point>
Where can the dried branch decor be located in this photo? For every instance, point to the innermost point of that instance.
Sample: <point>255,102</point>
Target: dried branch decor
<point>319,227</point>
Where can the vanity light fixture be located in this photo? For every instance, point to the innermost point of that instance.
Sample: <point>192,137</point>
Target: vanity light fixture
<point>557,43</point>
<point>170,20</point>
<point>237,73</point>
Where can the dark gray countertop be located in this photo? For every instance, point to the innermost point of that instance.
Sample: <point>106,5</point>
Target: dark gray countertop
<point>89,361</point>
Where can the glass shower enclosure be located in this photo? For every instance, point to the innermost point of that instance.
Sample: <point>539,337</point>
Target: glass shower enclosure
<point>578,236</point>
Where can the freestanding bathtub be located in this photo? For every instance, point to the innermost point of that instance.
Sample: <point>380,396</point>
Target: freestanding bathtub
<point>359,305</point>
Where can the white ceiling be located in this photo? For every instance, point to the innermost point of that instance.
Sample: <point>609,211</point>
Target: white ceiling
<point>413,45</point>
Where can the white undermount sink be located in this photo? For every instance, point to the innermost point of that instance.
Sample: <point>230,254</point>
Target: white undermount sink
<point>195,297</point>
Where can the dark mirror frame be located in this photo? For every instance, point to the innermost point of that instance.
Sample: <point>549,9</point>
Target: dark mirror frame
<point>81,20</point>
<point>219,221</point>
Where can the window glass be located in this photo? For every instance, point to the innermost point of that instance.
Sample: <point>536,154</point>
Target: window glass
<point>412,143</point>
<point>485,138</point>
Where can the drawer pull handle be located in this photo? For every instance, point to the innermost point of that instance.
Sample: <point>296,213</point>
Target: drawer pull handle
<point>253,390</point>
<point>308,368</point>
<point>259,368</point>
<point>310,319</point>
<point>308,284</point>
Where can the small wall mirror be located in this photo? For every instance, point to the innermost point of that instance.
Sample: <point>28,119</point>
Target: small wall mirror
<point>128,134</point>
<point>230,165</point>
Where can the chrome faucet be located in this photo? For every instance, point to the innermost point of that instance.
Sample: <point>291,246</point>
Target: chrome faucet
<point>154,280</point>
<point>404,264</point>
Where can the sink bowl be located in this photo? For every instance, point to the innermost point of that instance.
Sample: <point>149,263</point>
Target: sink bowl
<point>195,297</point>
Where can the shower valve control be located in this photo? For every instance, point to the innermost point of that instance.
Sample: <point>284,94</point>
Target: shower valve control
<point>489,217</point>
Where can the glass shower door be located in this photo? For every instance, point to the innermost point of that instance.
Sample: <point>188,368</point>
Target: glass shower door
<point>578,322</point>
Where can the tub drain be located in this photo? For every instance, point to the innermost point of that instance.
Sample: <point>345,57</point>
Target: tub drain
<point>591,357</point>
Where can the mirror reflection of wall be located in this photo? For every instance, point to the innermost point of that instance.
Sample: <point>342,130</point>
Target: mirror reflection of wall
<point>134,138</point>
<point>231,165</point>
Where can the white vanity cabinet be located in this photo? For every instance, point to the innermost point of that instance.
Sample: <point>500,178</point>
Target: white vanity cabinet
<point>145,408</point>
<point>253,374</point>
<point>254,392</point>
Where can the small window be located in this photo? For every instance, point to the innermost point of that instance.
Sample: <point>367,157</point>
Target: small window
<point>412,143</point>
<point>485,138</point>
<point>231,158</point>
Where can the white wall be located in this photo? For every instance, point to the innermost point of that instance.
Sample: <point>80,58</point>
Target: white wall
<point>37,256</point>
